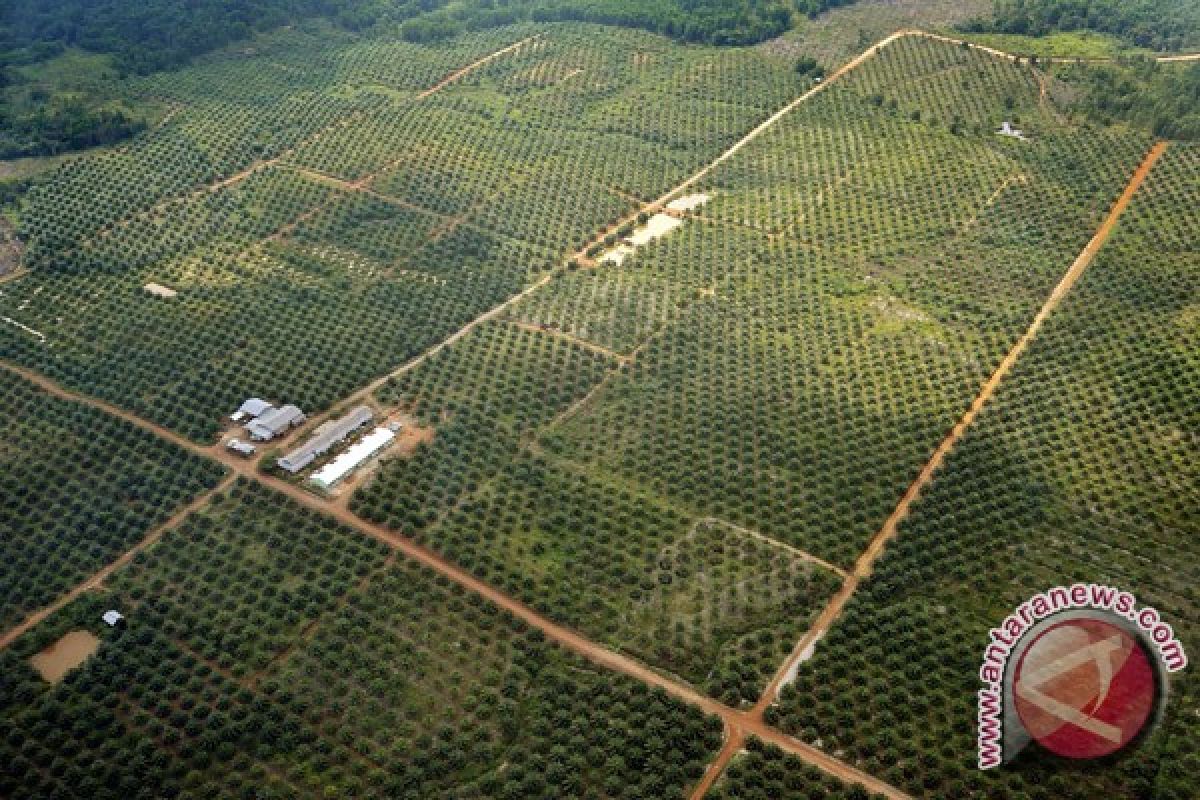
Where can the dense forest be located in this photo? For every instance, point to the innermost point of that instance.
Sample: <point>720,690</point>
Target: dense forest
<point>1164,98</point>
<point>719,22</point>
<point>45,117</point>
<point>1154,24</point>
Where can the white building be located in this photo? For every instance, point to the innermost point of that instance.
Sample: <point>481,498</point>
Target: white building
<point>326,436</point>
<point>1008,130</point>
<point>112,617</point>
<point>253,408</point>
<point>240,447</point>
<point>328,476</point>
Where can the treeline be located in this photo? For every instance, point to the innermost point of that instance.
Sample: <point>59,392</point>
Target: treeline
<point>716,22</point>
<point>1164,98</point>
<point>1155,24</point>
<point>152,35</point>
<point>48,125</point>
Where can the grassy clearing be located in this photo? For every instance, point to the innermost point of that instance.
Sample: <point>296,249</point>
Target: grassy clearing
<point>1064,44</point>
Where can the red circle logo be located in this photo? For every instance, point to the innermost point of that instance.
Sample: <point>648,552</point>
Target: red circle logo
<point>1084,688</point>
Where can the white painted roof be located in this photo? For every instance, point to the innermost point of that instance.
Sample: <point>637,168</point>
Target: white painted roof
<point>112,617</point>
<point>688,202</point>
<point>255,407</point>
<point>363,449</point>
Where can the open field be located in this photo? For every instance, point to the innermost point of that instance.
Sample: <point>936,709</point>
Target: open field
<point>645,493</point>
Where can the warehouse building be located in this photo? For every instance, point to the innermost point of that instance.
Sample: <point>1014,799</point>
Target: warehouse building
<point>274,422</point>
<point>343,465</point>
<point>252,408</point>
<point>325,437</point>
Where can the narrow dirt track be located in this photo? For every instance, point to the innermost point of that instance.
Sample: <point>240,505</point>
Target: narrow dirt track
<point>474,65</point>
<point>11,635</point>
<point>776,543</point>
<point>890,527</point>
<point>570,337</point>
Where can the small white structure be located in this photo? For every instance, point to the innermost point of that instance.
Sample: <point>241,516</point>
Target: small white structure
<point>241,448</point>
<point>112,617</point>
<point>328,475</point>
<point>1008,130</point>
<point>687,202</point>
<point>158,290</point>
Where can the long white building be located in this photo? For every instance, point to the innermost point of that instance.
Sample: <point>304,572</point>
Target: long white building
<point>328,475</point>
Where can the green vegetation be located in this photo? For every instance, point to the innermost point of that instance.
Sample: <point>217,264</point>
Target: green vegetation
<point>1061,44</point>
<point>482,394</point>
<point>231,203</point>
<point>802,396</point>
<point>1080,469</point>
<point>71,102</point>
<point>1154,24</point>
<point>269,652</point>
<point>1161,97</point>
<point>80,487</point>
<point>764,772</point>
<point>695,597</point>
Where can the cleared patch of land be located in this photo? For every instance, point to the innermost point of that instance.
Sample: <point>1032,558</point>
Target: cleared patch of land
<point>64,655</point>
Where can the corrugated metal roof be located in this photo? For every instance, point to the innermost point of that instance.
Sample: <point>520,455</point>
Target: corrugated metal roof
<point>255,407</point>
<point>327,435</point>
<point>274,422</point>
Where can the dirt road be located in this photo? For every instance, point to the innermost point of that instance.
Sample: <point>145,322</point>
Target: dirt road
<point>890,527</point>
<point>11,635</point>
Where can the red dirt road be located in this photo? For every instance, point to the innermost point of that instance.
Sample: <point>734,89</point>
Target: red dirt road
<point>11,635</point>
<point>571,640</point>
<point>738,723</point>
